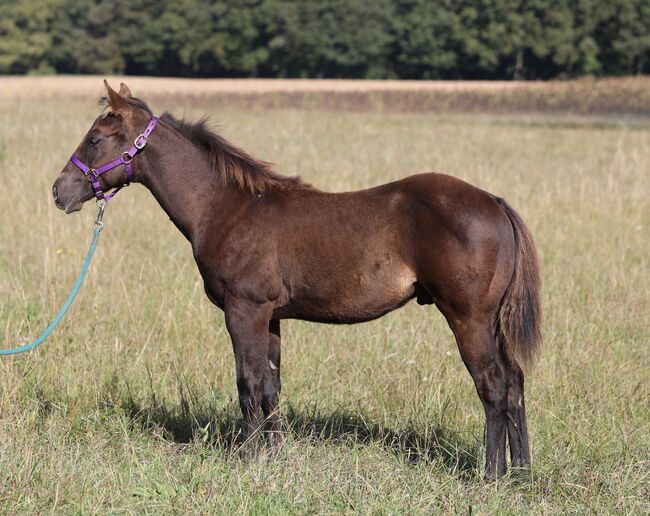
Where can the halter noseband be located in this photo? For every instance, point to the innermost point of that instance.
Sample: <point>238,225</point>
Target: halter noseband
<point>125,159</point>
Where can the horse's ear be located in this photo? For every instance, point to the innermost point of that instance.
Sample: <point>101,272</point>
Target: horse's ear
<point>125,91</point>
<point>116,101</point>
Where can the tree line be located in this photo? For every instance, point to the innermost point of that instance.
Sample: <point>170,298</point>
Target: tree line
<point>406,39</point>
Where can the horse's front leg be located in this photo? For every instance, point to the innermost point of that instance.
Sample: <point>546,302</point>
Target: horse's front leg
<point>248,325</point>
<point>271,391</point>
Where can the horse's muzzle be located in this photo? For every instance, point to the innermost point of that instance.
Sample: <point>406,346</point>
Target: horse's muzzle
<point>68,193</point>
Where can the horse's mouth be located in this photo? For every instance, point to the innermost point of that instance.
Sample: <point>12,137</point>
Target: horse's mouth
<point>73,204</point>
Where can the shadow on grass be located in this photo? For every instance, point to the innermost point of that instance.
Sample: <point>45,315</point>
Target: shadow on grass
<point>410,443</point>
<point>197,421</point>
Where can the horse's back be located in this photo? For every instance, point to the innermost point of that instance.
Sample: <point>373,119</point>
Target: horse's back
<point>357,255</point>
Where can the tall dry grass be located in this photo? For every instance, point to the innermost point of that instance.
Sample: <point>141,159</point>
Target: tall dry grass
<point>608,97</point>
<point>131,405</point>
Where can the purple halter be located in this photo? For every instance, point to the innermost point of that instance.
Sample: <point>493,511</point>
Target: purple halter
<point>125,159</point>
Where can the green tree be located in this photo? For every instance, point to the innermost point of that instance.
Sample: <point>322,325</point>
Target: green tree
<point>470,39</point>
<point>338,38</point>
<point>623,36</point>
<point>426,39</point>
<point>25,36</point>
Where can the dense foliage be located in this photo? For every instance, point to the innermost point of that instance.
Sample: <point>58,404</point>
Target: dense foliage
<point>418,39</point>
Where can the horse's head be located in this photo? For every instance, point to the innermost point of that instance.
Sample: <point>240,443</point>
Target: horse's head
<point>110,135</point>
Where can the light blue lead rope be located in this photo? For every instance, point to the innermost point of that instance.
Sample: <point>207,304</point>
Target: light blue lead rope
<point>97,229</point>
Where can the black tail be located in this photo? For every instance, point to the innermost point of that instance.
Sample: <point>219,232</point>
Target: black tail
<point>520,313</point>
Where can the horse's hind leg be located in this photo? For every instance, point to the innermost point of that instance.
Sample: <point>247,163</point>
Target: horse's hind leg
<point>272,387</point>
<point>517,426</point>
<point>480,352</point>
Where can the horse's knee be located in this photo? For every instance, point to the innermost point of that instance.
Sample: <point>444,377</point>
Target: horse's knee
<point>250,391</point>
<point>492,386</point>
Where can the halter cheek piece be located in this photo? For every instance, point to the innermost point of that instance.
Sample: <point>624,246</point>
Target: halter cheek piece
<point>125,159</point>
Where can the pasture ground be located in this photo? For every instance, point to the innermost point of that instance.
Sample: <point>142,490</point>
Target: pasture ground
<point>131,405</point>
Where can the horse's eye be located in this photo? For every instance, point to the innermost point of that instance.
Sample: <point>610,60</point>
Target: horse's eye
<point>94,140</point>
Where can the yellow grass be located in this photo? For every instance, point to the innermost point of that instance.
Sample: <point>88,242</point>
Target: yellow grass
<point>628,96</point>
<point>131,405</point>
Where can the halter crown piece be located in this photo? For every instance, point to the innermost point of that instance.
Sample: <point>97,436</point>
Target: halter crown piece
<point>125,159</point>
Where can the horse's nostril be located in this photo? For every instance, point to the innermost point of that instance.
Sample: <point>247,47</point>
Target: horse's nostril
<point>55,193</point>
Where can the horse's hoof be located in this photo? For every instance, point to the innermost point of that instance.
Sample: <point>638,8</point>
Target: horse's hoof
<point>250,450</point>
<point>275,443</point>
<point>492,475</point>
<point>521,473</point>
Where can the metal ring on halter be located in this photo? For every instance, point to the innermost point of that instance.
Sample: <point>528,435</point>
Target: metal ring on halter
<point>138,145</point>
<point>125,161</point>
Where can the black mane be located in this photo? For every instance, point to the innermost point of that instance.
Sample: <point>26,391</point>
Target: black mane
<point>231,162</point>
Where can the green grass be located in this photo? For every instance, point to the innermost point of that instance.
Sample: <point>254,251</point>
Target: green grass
<point>131,405</point>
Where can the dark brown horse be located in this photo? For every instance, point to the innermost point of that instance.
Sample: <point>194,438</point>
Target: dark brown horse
<point>271,247</point>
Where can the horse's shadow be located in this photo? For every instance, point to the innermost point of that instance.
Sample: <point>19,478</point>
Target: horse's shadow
<point>190,421</point>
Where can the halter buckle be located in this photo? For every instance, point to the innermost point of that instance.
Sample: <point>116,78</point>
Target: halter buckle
<point>140,142</point>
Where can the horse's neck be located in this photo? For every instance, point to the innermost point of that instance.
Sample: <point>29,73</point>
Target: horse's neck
<point>182,181</point>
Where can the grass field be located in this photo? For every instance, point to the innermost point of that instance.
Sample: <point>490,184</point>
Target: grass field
<point>131,405</point>
<point>625,98</point>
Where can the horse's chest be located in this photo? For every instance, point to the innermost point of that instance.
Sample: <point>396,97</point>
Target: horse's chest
<point>215,291</point>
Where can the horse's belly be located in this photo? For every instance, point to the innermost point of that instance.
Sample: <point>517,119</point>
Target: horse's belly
<point>353,297</point>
